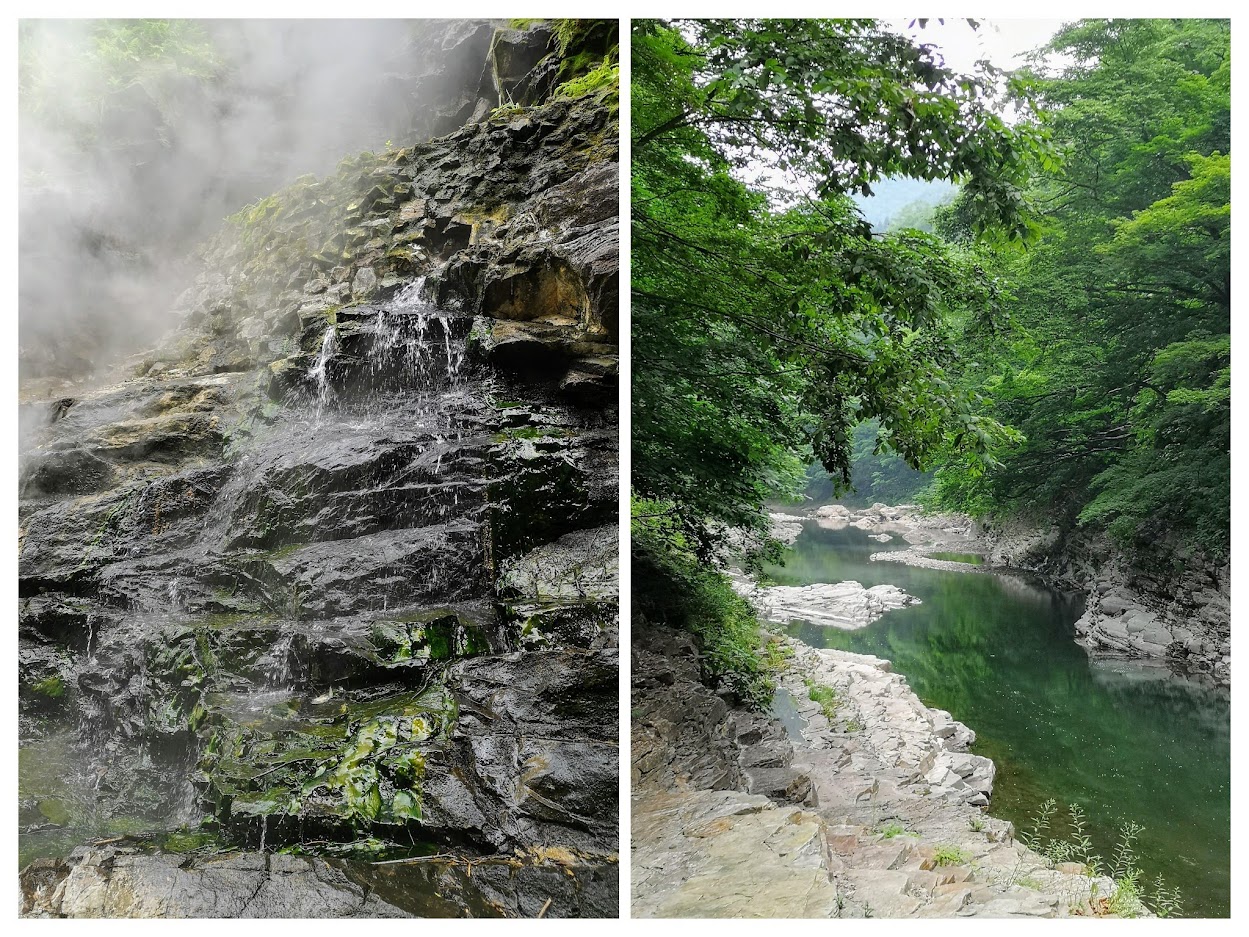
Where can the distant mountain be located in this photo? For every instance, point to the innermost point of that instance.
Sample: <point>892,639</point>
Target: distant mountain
<point>890,196</point>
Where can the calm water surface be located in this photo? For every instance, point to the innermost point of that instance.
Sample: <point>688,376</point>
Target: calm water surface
<point>1126,742</point>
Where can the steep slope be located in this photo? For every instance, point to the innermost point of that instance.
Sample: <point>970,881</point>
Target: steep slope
<point>335,571</point>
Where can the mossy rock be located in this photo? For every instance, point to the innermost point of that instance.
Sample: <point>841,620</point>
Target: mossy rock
<point>436,637</point>
<point>51,687</point>
<point>346,770</point>
<point>54,812</point>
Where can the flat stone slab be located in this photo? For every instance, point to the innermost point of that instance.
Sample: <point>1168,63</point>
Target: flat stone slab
<point>107,882</point>
<point>846,605</point>
<point>727,854</point>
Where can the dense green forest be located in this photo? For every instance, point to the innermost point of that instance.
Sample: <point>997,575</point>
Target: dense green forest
<point>1115,365</point>
<point>1056,347</point>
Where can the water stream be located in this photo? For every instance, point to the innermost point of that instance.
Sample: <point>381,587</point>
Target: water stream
<point>385,435</point>
<point>1126,740</point>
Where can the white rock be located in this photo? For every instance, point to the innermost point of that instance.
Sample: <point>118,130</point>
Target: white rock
<point>832,510</point>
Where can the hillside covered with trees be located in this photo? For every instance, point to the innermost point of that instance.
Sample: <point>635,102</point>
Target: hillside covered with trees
<point>1057,349</point>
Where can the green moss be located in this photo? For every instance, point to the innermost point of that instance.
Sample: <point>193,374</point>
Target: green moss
<point>506,111</point>
<point>603,78</point>
<point>281,553</point>
<point>54,811</point>
<point>530,432</point>
<point>252,215</point>
<point>184,841</point>
<point>826,696</point>
<point>52,687</point>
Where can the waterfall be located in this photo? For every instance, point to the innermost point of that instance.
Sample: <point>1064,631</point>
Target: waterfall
<point>318,371</point>
<point>421,336</point>
<point>277,670</point>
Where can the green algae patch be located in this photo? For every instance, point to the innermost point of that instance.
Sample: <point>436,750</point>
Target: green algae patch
<point>434,636</point>
<point>289,778</point>
<point>54,812</point>
<point>51,687</point>
<point>181,842</point>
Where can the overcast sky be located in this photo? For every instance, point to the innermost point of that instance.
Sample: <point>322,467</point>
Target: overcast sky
<point>1002,42</point>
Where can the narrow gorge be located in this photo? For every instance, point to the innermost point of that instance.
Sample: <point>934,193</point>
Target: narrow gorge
<point>318,596</point>
<point>869,798</point>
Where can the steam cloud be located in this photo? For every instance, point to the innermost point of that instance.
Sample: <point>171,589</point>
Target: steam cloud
<point>119,180</point>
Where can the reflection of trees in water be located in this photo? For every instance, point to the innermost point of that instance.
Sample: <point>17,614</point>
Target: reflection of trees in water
<point>1184,702</point>
<point>1125,741</point>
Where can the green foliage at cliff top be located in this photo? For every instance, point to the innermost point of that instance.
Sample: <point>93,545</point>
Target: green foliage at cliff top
<point>765,328</point>
<point>1116,368</point>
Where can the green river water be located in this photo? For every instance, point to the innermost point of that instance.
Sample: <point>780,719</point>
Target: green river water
<point>1124,740</point>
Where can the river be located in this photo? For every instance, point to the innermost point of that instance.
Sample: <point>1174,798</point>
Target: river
<point>1126,741</point>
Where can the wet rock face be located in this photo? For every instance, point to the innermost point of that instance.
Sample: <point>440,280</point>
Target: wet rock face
<point>110,883</point>
<point>334,572</point>
<point>114,882</point>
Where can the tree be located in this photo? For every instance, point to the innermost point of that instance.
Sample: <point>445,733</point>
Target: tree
<point>765,329</point>
<point>1117,369</point>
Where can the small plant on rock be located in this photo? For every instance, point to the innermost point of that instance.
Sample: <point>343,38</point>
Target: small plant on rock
<point>826,696</point>
<point>777,655</point>
<point>1131,896</point>
<point>949,854</point>
<point>892,829</point>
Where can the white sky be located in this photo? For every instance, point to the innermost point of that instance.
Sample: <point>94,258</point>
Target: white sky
<point>1002,41</point>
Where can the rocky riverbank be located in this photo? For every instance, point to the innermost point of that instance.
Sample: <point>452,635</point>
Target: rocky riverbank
<point>846,605</point>
<point>860,802</point>
<point>1180,617</point>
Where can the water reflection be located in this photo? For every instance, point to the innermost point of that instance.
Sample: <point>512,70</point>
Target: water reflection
<point>1127,741</point>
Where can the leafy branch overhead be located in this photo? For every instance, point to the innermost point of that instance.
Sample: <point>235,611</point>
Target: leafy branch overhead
<point>764,331</point>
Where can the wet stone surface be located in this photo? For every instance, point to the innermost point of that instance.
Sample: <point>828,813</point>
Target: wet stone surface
<point>328,571</point>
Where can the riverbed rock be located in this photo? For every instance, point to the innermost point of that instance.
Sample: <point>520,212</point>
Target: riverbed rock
<point>846,605</point>
<point>832,510</point>
<point>893,826</point>
<point>785,527</point>
<point>108,882</point>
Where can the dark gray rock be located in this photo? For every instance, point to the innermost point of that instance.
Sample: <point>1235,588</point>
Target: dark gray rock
<point>263,582</point>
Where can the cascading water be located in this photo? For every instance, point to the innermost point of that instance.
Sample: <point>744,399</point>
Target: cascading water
<point>318,373</point>
<point>278,669</point>
<point>289,556</point>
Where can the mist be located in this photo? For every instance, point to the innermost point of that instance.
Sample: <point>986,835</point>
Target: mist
<point>137,140</point>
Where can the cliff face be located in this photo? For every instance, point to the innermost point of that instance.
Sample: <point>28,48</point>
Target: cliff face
<point>336,569</point>
<point>150,168</point>
<point>1166,603</point>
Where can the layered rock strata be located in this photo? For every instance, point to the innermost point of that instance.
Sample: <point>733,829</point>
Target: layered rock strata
<point>885,823</point>
<point>334,569</point>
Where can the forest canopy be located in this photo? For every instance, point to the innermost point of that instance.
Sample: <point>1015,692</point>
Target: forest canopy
<point>1116,368</point>
<point>1052,344</point>
<point>764,332</point>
